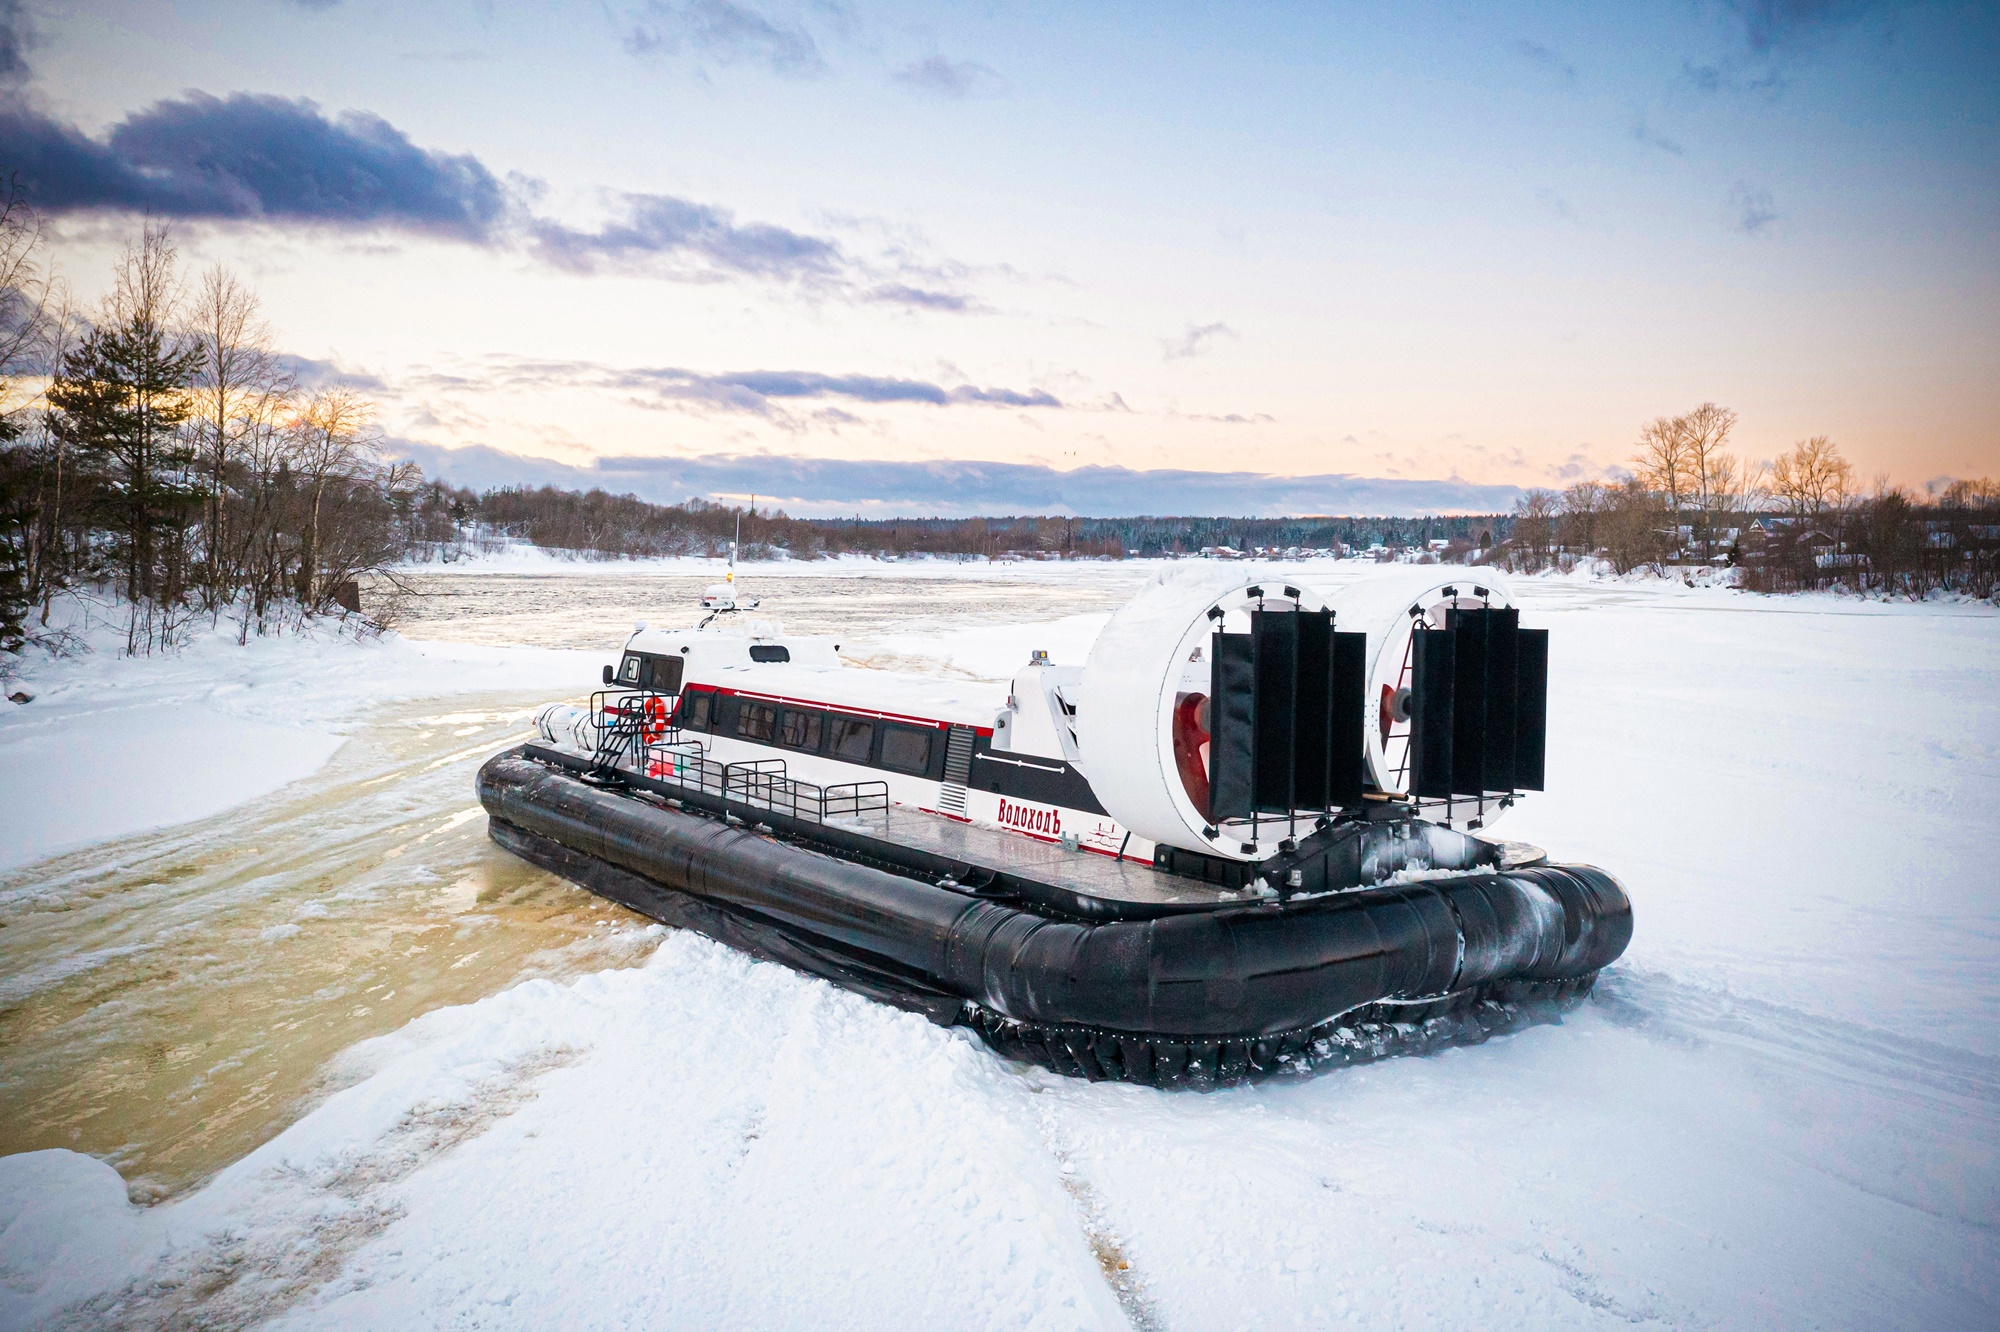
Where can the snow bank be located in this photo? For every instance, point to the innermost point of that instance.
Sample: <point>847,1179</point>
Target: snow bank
<point>113,745</point>
<point>188,763</point>
<point>797,1157</point>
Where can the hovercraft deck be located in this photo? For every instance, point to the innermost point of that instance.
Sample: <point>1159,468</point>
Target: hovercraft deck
<point>1082,884</point>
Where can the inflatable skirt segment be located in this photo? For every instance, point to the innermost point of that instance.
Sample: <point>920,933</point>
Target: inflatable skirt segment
<point>1198,998</point>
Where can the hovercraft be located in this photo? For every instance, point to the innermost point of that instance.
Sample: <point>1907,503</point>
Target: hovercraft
<point>1251,833</point>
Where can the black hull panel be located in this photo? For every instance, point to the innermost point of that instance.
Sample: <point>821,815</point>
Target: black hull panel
<point>1201,997</point>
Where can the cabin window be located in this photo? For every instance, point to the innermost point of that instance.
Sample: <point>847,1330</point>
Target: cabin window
<point>722,717</point>
<point>759,721</point>
<point>906,750</point>
<point>769,652</point>
<point>662,675</point>
<point>802,730</point>
<point>852,738</point>
<point>657,674</point>
<point>694,711</point>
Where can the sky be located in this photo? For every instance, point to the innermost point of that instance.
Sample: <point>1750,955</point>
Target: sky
<point>899,259</point>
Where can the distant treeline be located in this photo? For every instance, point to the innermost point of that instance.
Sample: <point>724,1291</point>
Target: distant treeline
<point>621,525</point>
<point>1802,523</point>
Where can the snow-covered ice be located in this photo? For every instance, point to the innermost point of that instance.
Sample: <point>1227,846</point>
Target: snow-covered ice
<point>111,746</point>
<point>1781,1109</point>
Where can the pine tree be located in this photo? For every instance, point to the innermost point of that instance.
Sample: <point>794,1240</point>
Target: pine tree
<point>118,404</point>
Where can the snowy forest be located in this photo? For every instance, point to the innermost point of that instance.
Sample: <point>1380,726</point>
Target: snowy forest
<point>157,447</point>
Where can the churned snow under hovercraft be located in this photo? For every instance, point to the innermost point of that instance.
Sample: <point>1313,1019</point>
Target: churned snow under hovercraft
<point>1249,834</point>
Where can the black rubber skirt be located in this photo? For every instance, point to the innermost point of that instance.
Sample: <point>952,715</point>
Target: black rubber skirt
<point>1202,998</point>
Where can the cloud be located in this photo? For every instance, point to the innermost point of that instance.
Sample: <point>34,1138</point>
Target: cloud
<point>268,159</point>
<point>252,158</point>
<point>1196,340</point>
<point>1766,79</point>
<point>1769,25</point>
<point>1229,418</point>
<point>1647,135</point>
<point>1775,34</point>
<point>15,37</point>
<point>920,298</point>
<point>1004,397</point>
<point>832,487</point>
<point>727,33</point>
<point>935,76</point>
<point>1708,78</point>
<point>658,224</point>
<point>753,390</point>
<point>1752,209</point>
<point>1536,53</point>
<point>313,374</point>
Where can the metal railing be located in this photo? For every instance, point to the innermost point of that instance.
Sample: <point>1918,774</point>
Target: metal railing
<point>629,723</point>
<point>636,734</point>
<point>765,784</point>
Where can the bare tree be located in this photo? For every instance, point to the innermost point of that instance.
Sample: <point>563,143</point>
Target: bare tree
<point>1972,493</point>
<point>259,549</point>
<point>27,284</point>
<point>331,441</point>
<point>1664,465</point>
<point>241,385</point>
<point>1713,471</point>
<point>1812,479</point>
<point>1534,528</point>
<point>1582,504</point>
<point>26,279</point>
<point>46,556</point>
<point>1631,525</point>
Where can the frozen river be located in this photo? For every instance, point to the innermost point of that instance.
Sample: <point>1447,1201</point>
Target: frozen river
<point>1781,1109</point>
<point>168,1001</point>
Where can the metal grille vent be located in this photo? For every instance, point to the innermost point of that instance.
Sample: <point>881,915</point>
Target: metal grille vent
<point>957,770</point>
<point>1479,706</point>
<point>1286,712</point>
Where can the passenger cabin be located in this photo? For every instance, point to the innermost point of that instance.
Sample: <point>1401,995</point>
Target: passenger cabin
<point>790,697</point>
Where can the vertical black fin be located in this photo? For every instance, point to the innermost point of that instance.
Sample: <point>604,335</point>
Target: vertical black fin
<point>1313,756</point>
<point>1348,702</point>
<point>1503,628</point>
<point>1433,665</point>
<point>1471,633</point>
<point>1232,726</point>
<point>1531,729</point>
<point>1274,645</point>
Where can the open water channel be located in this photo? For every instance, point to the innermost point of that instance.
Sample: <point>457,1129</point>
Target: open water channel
<point>170,1000</point>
